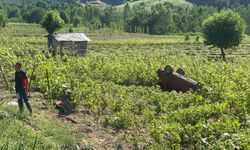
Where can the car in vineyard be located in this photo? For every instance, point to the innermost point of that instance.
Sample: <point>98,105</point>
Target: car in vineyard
<point>169,80</point>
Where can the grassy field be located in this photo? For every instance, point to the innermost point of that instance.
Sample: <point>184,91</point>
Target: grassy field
<point>119,104</point>
<point>40,131</point>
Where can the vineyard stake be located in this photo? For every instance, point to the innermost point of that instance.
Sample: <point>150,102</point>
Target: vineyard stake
<point>190,137</point>
<point>4,78</point>
<point>32,74</point>
<point>47,76</point>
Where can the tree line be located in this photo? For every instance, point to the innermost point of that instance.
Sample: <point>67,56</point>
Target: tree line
<point>157,19</point>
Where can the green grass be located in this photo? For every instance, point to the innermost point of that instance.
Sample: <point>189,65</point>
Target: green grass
<point>22,131</point>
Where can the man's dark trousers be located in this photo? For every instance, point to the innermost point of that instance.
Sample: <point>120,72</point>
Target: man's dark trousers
<point>22,96</point>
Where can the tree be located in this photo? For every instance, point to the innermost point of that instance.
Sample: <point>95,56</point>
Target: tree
<point>36,15</point>
<point>224,30</point>
<point>187,37</point>
<point>71,30</point>
<point>3,21</point>
<point>13,12</point>
<point>52,22</point>
<point>110,16</point>
<point>41,4</point>
<point>64,16</point>
<point>244,12</point>
<point>55,5</point>
<point>76,21</point>
<point>113,2</point>
<point>219,3</point>
<point>161,21</point>
<point>197,39</point>
<point>126,11</point>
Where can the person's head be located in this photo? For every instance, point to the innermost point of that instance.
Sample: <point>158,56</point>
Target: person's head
<point>18,66</point>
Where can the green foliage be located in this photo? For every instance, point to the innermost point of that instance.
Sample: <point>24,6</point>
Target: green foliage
<point>41,4</point>
<point>71,30</point>
<point>154,17</point>
<point>19,135</point>
<point>3,21</point>
<point>106,84</point>
<point>76,21</point>
<point>161,21</point>
<point>187,37</point>
<point>13,12</point>
<point>143,17</point>
<point>126,11</point>
<point>244,11</point>
<point>36,15</point>
<point>110,16</point>
<point>113,2</point>
<point>197,39</point>
<point>55,5</point>
<point>219,3</point>
<point>164,19</point>
<point>117,82</point>
<point>64,17</point>
<point>224,30</point>
<point>122,120</point>
<point>52,22</point>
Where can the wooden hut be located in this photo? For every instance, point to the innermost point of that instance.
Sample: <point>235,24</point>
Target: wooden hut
<point>72,42</point>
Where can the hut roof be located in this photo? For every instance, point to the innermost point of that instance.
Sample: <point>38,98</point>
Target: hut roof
<point>77,37</point>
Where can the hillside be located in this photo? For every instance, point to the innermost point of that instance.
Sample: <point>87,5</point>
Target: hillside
<point>97,4</point>
<point>219,2</point>
<point>147,3</point>
<point>119,3</point>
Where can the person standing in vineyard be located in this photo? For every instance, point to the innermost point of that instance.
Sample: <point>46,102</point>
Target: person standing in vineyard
<point>21,85</point>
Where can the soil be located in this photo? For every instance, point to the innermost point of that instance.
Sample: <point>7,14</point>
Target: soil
<point>82,124</point>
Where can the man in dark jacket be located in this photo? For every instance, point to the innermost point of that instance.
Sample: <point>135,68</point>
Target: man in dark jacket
<point>21,85</point>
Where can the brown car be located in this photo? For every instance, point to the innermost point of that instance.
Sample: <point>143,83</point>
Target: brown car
<point>168,80</point>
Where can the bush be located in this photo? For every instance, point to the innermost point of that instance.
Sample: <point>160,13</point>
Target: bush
<point>197,39</point>
<point>187,37</point>
<point>224,30</point>
<point>52,22</point>
<point>36,15</point>
<point>76,21</point>
<point>64,16</point>
<point>3,21</point>
<point>121,120</point>
<point>71,29</point>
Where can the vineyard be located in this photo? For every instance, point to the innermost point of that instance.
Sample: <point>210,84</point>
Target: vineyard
<point>116,84</point>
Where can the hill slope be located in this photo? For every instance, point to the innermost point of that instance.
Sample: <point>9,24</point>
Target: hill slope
<point>122,3</point>
<point>105,3</point>
<point>219,3</point>
<point>146,3</point>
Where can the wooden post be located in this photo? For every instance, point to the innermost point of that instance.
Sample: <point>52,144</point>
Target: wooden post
<point>4,78</point>
<point>47,76</point>
<point>31,78</point>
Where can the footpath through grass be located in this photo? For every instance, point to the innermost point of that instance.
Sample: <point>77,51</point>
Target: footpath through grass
<point>41,131</point>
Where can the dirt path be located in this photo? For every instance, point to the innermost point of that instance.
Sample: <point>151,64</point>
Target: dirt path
<point>82,124</point>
